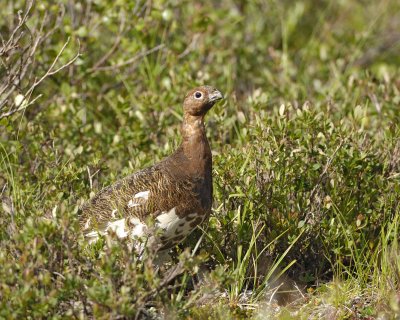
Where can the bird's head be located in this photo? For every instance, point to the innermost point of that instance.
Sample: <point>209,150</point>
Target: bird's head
<point>201,99</point>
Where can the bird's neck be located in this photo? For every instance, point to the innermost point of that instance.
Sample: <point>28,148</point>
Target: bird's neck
<point>195,145</point>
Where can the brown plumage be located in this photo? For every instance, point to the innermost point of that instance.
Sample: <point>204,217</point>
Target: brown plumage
<point>175,193</point>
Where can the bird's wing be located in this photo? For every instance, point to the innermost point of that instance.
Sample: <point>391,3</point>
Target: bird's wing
<point>149,192</point>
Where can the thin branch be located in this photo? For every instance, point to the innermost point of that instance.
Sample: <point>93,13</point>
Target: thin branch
<point>11,112</point>
<point>326,168</point>
<point>129,61</point>
<point>21,22</point>
<point>48,73</point>
<point>191,47</point>
<point>115,45</point>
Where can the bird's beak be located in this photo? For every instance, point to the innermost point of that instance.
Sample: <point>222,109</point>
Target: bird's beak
<point>215,96</point>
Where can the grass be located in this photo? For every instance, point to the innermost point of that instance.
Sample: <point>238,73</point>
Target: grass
<point>306,158</point>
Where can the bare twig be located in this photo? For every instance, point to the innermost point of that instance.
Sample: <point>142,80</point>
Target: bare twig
<point>51,71</point>
<point>390,43</point>
<point>192,46</point>
<point>325,171</point>
<point>18,59</point>
<point>114,47</point>
<point>23,107</point>
<point>21,23</point>
<point>91,176</point>
<point>129,61</point>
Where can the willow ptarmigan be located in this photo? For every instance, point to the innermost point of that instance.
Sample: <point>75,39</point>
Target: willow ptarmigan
<point>175,193</point>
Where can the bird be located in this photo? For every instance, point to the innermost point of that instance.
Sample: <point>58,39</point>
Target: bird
<point>168,200</point>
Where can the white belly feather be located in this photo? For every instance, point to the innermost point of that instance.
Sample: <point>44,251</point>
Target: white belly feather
<point>168,221</point>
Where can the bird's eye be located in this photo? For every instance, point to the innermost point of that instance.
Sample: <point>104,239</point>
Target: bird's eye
<point>198,95</point>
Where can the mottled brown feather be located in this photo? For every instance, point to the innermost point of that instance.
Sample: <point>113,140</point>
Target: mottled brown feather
<point>182,181</point>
